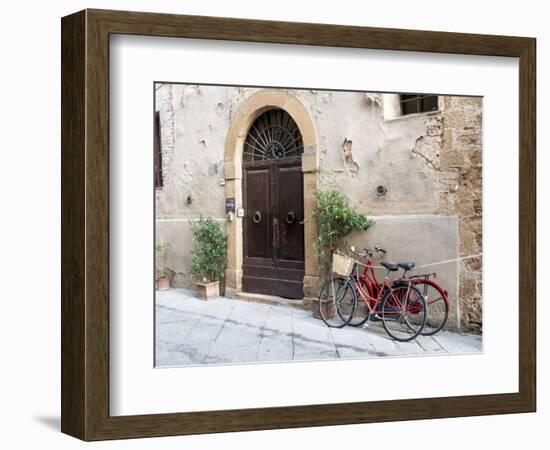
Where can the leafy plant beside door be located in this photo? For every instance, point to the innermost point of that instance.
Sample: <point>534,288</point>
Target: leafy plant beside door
<point>209,257</point>
<point>336,219</point>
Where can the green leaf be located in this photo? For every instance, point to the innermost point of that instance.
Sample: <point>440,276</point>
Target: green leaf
<point>336,219</point>
<point>209,255</point>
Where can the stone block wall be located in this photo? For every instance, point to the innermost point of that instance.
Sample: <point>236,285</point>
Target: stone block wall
<point>460,193</point>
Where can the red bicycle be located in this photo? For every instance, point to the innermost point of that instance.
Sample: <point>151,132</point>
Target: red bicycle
<point>401,308</point>
<point>436,296</point>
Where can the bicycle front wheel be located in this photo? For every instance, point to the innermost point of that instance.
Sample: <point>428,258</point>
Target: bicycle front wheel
<point>362,312</point>
<point>403,312</point>
<point>337,302</point>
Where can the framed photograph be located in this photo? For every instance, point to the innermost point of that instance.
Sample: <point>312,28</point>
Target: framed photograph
<point>272,225</point>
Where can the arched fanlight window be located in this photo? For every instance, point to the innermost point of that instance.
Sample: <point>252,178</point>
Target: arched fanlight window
<point>273,135</point>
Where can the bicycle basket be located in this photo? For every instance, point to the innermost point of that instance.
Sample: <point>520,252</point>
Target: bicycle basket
<point>341,264</point>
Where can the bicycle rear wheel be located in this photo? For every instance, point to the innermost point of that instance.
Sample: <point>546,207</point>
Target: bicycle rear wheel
<point>337,302</point>
<point>438,306</point>
<point>403,312</point>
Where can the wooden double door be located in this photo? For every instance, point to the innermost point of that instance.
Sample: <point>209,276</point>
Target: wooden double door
<point>273,249</point>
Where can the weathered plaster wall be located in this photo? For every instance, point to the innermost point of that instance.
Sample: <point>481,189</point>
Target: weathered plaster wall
<point>192,169</point>
<point>380,155</point>
<point>429,164</point>
<point>422,239</point>
<point>192,144</point>
<point>382,151</point>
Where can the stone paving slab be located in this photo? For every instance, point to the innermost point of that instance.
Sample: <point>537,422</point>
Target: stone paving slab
<point>191,331</point>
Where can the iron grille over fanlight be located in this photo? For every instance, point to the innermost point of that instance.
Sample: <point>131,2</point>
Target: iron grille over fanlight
<point>273,135</point>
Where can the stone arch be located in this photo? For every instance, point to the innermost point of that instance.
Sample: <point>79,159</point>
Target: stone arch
<point>254,106</point>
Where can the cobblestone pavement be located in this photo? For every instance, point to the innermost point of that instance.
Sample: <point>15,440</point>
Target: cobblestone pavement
<point>190,331</point>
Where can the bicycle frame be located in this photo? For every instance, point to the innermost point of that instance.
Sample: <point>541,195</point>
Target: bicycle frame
<point>370,290</point>
<point>368,280</point>
<point>370,284</point>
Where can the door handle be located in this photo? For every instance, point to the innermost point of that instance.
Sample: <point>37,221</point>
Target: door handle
<point>257,217</point>
<point>290,217</point>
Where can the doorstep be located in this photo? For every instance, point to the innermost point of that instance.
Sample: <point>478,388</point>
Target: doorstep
<point>304,303</point>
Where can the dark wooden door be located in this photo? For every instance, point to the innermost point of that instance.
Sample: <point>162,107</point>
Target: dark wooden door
<point>273,228</point>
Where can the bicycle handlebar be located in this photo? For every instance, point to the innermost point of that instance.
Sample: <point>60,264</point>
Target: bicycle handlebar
<point>366,252</point>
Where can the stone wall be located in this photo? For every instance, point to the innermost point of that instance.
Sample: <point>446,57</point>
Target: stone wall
<point>460,193</point>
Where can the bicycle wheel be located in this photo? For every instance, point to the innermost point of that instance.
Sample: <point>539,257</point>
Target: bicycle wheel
<point>403,312</point>
<point>438,306</point>
<point>337,301</point>
<point>362,312</point>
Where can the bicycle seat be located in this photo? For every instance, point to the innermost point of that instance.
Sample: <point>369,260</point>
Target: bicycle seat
<point>390,267</point>
<point>406,265</point>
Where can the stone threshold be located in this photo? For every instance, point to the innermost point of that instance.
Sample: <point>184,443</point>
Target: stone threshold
<point>304,303</point>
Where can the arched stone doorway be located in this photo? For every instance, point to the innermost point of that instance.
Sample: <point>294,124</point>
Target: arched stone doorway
<point>256,105</point>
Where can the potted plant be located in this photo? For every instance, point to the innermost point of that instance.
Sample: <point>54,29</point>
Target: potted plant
<point>209,257</point>
<point>335,219</point>
<point>162,281</point>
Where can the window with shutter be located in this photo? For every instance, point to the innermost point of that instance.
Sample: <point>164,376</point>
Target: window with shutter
<point>416,103</point>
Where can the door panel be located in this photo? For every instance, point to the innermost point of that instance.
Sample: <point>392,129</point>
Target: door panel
<point>273,230</point>
<point>290,213</point>
<point>258,215</point>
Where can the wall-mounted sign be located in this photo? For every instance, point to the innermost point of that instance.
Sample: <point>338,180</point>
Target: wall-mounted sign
<point>229,205</point>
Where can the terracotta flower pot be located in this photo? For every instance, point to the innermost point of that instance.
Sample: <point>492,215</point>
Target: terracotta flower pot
<point>163,283</point>
<point>208,290</point>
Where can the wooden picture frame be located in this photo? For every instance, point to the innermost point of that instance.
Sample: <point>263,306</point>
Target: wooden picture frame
<point>85,224</point>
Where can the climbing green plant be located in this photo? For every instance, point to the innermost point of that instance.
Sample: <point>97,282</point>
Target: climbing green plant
<point>209,254</point>
<point>336,219</point>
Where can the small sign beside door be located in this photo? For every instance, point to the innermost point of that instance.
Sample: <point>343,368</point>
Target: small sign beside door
<point>229,205</point>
